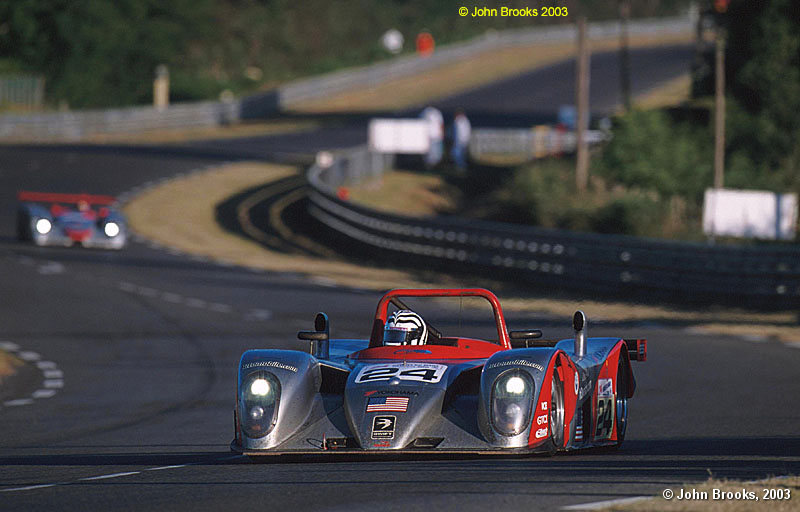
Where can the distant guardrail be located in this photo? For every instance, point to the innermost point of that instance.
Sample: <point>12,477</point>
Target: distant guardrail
<point>74,125</point>
<point>79,124</point>
<point>588,262</point>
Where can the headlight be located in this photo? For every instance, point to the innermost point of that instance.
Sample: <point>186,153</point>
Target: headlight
<point>258,403</point>
<point>111,229</point>
<point>43,226</point>
<point>512,395</point>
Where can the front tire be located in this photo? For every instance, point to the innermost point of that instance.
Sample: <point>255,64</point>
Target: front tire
<point>23,226</point>
<point>557,412</point>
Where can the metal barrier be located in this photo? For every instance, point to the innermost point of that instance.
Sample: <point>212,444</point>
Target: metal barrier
<point>593,263</point>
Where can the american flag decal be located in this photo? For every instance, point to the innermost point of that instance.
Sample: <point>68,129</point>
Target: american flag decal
<point>387,404</point>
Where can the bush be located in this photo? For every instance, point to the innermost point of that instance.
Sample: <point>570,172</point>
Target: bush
<point>634,214</point>
<point>651,152</point>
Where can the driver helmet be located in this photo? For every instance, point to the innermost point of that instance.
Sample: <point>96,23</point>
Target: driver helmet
<point>405,327</point>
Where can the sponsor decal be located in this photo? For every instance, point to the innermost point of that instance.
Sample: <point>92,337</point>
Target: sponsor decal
<point>419,372</point>
<point>382,444</point>
<point>269,364</point>
<point>585,390</point>
<point>541,420</point>
<point>391,392</point>
<point>542,432</point>
<point>517,362</point>
<point>387,404</point>
<point>605,387</point>
<point>579,426</point>
<point>605,418</point>
<point>577,382</point>
<point>544,406</point>
<point>383,427</point>
<point>412,351</point>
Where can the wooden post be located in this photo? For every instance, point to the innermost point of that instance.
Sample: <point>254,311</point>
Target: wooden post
<point>161,87</point>
<point>582,101</point>
<point>719,112</point>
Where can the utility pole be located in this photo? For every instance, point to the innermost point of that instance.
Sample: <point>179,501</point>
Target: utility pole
<point>624,56</point>
<point>719,111</point>
<point>582,101</point>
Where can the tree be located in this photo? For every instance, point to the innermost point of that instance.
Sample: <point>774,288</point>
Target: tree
<point>763,59</point>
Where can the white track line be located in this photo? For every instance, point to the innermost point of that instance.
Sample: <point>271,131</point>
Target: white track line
<point>106,477</point>
<point>115,475</point>
<point>193,302</point>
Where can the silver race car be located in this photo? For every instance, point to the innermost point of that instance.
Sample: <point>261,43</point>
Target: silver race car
<point>69,219</point>
<point>434,378</point>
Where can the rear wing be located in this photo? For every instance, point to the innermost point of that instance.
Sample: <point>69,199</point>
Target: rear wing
<point>55,198</point>
<point>637,349</point>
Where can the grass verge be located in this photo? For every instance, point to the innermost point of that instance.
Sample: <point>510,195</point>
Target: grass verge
<point>8,365</point>
<point>181,214</point>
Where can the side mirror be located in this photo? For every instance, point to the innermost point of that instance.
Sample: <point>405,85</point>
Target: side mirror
<point>530,334</point>
<point>319,337</point>
<point>522,339</point>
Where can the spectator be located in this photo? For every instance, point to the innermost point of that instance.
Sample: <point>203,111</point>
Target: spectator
<point>435,123</point>
<point>461,134</point>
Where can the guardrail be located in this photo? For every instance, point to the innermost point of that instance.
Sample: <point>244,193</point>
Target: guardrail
<point>76,125</point>
<point>621,265</point>
<point>79,124</point>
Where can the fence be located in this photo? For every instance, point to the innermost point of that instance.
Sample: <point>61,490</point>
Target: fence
<point>536,142</point>
<point>22,91</point>
<point>622,265</point>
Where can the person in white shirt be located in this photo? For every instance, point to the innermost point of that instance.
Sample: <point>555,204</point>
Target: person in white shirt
<point>462,129</point>
<point>435,122</point>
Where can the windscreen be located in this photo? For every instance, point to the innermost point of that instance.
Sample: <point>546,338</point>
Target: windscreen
<point>454,317</point>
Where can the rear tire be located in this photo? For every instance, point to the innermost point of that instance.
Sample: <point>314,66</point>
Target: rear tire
<point>621,411</point>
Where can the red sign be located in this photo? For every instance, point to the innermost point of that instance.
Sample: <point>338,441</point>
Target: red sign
<point>425,44</point>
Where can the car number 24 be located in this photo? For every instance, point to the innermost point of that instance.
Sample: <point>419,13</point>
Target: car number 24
<point>420,372</point>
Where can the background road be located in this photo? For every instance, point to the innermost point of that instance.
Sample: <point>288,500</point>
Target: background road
<point>138,351</point>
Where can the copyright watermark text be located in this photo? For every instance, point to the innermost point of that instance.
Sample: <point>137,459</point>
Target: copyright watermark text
<point>509,12</point>
<point>743,494</point>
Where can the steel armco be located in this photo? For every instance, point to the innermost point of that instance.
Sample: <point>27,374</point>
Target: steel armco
<point>624,265</point>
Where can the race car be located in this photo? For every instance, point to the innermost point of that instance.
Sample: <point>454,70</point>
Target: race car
<point>463,384</point>
<point>69,219</point>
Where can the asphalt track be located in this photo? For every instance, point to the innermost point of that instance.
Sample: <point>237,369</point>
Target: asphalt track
<point>138,353</point>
